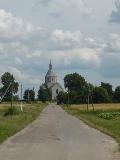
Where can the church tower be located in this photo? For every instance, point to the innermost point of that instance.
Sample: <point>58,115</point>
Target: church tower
<point>51,77</point>
<point>50,65</point>
<point>51,82</point>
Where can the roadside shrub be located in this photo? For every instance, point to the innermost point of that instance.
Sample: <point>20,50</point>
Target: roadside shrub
<point>109,115</point>
<point>11,111</point>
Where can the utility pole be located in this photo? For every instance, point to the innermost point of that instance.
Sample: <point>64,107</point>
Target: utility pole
<point>33,93</point>
<point>28,96</point>
<point>90,97</point>
<point>92,103</point>
<point>88,101</point>
<point>21,106</point>
<point>12,95</point>
<point>68,99</point>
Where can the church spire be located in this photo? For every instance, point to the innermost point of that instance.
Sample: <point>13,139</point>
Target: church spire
<point>50,65</point>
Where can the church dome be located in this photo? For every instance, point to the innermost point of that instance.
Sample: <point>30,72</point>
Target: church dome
<point>50,73</point>
<point>51,77</point>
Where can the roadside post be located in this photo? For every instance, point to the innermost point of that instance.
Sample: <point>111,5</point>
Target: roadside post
<point>21,105</point>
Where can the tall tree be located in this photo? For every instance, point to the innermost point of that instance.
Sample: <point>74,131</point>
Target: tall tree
<point>74,82</point>
<point>8,82</point>
<point>116,97</point>
<point>77,88</point>
<point>100,95</point>
<point>44,94</point>
<point>29,95</point>
<point>109,89</point>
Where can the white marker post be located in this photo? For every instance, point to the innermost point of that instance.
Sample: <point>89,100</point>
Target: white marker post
<point>21,106</point>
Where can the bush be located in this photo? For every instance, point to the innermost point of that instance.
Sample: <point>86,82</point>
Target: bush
<point>11,111</point>
<point>109,115</point>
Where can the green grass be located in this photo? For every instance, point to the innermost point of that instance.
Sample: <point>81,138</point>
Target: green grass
<point>106,120</point>
<point>9,125</point>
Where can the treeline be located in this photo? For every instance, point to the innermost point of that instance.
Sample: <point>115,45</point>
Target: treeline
<point>9,89</point>
<point>44,94</point>
<point>77,90</point>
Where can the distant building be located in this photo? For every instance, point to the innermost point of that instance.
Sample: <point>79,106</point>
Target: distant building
<point>51,82</point>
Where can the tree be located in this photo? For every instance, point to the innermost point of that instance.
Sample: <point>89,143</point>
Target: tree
<point>74,82</point>
<point>90,87</point>
<point>100,95</point>
<point>44,94</point>
<point>109,89</point>
<point>116,97</point>
<point>62,98</point>
<point>29,95</point>
<point>16,98</point>
<point>77,88</point>
<point>8,81</point>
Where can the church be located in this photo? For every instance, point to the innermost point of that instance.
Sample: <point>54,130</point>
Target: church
<point>51,82</point>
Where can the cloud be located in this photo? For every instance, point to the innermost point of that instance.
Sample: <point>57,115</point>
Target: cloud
<point>25,78</point>
<point>62,7</point>
<point>110,57</point>
<point>113,45</point>
<point>12,27</point>
<point>59,35</point>
<point>74,58</point>
<point>115,15</point>
<point>79,58</point>
<point>66,39</point>
<point>26,51</point>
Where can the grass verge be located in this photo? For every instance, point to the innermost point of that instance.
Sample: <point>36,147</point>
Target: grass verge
<point>110,126</point>
<point>9,125</point>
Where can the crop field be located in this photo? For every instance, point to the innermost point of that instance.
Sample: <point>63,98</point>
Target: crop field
<point>103,107</point>
<point>106,117</point>
<point>13,123</point>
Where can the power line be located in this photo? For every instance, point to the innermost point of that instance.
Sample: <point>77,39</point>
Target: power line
<point>5,92</point>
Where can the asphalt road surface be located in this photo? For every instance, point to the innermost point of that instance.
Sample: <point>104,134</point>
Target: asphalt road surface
<point>55,135</point>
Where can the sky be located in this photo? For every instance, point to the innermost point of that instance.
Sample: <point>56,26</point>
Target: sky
<point>80,36</point>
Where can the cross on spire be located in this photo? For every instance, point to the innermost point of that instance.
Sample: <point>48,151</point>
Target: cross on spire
<point>50,65</point>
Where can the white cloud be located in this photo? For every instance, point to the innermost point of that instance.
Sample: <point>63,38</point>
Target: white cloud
<point>63,6</point>
<point>26,58</point>
<point>59,35</point>
<point>26,51</point>
<point>25,78</point>
<point>29,48</point>
<point>91,42</point>
<point>12,27</point>
<point>113,45</point>
<point>76,57</point>
<point>110,57</point>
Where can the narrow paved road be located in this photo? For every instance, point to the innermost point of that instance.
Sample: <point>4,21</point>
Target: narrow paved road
<point>55,135</point>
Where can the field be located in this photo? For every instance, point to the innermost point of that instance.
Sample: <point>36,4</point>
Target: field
<point>106,117</point>
<point>9,125</point>
<point>104,107</point>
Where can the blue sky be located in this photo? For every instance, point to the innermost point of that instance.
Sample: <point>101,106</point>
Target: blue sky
<point>77,35</point>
